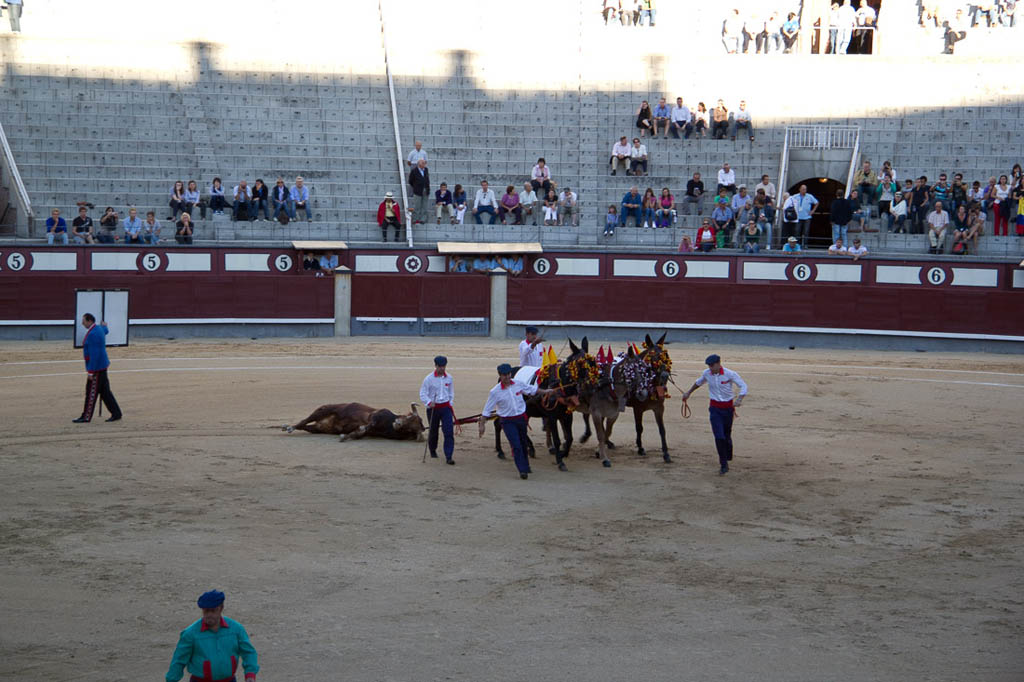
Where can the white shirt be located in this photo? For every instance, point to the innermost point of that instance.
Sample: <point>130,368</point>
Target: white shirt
<point>527,197</point>
<point>415,156</point>
<point>638,152</point>
<point>567,199</point>
<point>857,250</point>
<point>837,250</point>
<point>244,190</point>
<point>726,178</point>
<point>621,149</point>
<point>508,402</point>
<point>769,189</point>
<point>484,199</point>
<point>541,173</point>
<point>898,209</point>
<point>742,115</point>
<point>437,390</point>
<point>720,385</point>
<point>938,220</point>
<point>846,17</point>
<point>530,357</point>
<point>681,114</point>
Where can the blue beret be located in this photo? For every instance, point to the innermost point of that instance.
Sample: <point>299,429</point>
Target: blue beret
<point>504,368</point>
<point>712,359</point>
<point>532,330</point>
<point>441,360</point>
<point>211,599</point>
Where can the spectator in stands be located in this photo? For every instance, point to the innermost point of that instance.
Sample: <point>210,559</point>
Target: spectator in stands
<point>419,184</point>
<point>866,180</point>
<point>760,215</point>
<point>860,212</point>
<point>56,228</point>
<point>389,215</point>
<point>541,176</point>
<point>610,10</point>
<point>792,246</point>
<point>958,191</point>
<point>833,28</point>
<point>999,198</point>
<point>900,210</point>
<point>300,200</point>
<point>484,264</point>
<point>310,262</point>
<point>192,199</point>
<point>977,223</point>
<point>550,208</point>
<point>638,158</point>
<point>510,204</point>
<point>863,37</point>
<point>680,120</point>
<point>741,199</point>
<point>528,200</point>
<point>723,217</point>
<point>695,193</point>
<point>685,246</point>
<point>984,10</point>
<point>81,227</point>
<point>726,178</point>
<point>645,119</point>
<point>886,193</point>
<point>701,120</point>
<point>662,118</point>
<point>742,119</point>
<point>620,154</point>
<point>461,203</point>
<point>941,191</point>
<point>938,221</point>
<point>790,32</point>
<point>837,249</point>
<point>772,36</point>
<point>961,228</point>
<point>768,187</point>
<point>443,203</point>
<point>706,238</point>
<point>151,229</point>
<point>108,225</point>
<point>177,202</point>
<point>217,201</point>
<point>919,197</point>
<point>1017,205</point>
<point>242,198</point>
<point>630,206</point>
<point>611,219</point>
<point>648,9</point>
<point>485,202</point>
<point>855,250</point>
<point>416,155</point>
<point>648,207</point>
<point>751,237</point>
<point>840,215</point>
<point>720,121</point>
<point>260,200</point>
<point>805,205</point>
<point>753,32</point>
<point>133,227</point>
<point>458,264</point>
<point>666,212</point>
<point>183,229</point>
<point>568,208</point>
<point>887,168</point>
<point>976,194</point>
<point>846,21</point>
<point>279,198</point>
<point>512,263</point>
<point>329,261</point>
<point>732,31</point>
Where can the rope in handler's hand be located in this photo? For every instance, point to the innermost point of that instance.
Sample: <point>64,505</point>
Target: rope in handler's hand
<point>684,409</point>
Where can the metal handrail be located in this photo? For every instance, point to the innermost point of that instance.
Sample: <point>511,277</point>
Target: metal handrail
<point>854,157</point>
<point>394,121</point>
<point>19,185</point>
<point>822,137</point>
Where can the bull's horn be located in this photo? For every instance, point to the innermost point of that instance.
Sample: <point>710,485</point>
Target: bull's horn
<point>413,406</point>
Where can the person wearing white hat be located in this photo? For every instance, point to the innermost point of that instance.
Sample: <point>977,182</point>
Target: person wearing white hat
<point>792,245</point>
<point>388,213</point>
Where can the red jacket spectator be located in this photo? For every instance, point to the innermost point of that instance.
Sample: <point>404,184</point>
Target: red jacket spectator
<point>381,211</point>
<point>705,235</point>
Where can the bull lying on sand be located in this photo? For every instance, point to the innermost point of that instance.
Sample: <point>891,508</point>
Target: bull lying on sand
<point>355,420</point>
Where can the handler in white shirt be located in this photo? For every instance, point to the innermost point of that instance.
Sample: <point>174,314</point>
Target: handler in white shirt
<point>720,383</point>
<point>437,394</point>
<point>530,354</point>
<point>506,400</point>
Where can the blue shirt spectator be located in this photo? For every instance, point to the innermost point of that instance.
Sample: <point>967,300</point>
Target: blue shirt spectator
<point>722,214</point>
<point>483,264</point>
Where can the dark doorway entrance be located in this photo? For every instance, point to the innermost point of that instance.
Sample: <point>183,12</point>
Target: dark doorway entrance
<point>819,236</point>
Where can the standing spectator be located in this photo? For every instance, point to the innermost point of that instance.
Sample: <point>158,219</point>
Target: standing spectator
<point>510,204</point>
<point>999,198</point>
<point>863,38</point>
<point>695,193</point>
<point>841,213</point>
<point>1017,205</point>
<point>550,208</point>
<point>242,197</point>
<point>133,227</point>
<point>461,202</point>
<point>56,227</point>
<point>81,227</point>
<point>919,204</point>
<point>720,121</point>
<point>726,178</point>
<point>941,191</point>
<point>773,34</point>
<point>389,215</point>
<point>638,158</point>
<point>938,221</point>
<point>416,155</point>
<point>701,120</point>
<point>742,120</point>
<point>958,191</point>
<point>732,31</point>
<point>280,196</point>
<point>900,210</point>
<point>805,205</point>
<point>485,202</point>
<point>540,177</point>
<point>443,203</point>
<point>790,32</point>
<point>645,119</point>
<point>217,201</point>
<point>108,226</point>
<point>630,206</point>
<point>662,118</point>
<point>846,21</point>
<point>866,180</point>
<point>419,183</point>
<point>648,207</point>
<point>620,154</point>
<point>666,213</point>
<point>833,28</point>
<point>14,8</point>
<point>611,220</point>
<point>568,208</point>
<point>706,238</point>
<point>260,200</point>
<point>886,192</point>
<point>177,202</point>
<point>192,199</point>
<point>183,229</point>
<point>300,200</point>
<point>151,229</point>
<point>528,200</point>
<point>680,120</point>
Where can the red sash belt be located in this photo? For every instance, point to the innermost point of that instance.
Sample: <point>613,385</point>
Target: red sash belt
<point>721,405</point>
<point>437,405</point>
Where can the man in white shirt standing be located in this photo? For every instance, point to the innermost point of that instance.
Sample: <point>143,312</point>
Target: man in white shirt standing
<point>506,400</point>
<point>720,381</point>
<point>437,394</point>
<point>416,155</point>
<point>485,202</point>
<point>530,354</point>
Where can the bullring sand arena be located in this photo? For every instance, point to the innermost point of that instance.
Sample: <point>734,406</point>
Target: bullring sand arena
<point>870,529</point>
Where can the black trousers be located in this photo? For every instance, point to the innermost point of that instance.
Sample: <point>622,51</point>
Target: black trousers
<point>98,385</point>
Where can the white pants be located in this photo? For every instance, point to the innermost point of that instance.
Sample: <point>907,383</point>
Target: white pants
<point>551,213</point>
<point>460,214</point>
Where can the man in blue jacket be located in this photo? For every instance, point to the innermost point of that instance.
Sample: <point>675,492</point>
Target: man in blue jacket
<point>94,348</point>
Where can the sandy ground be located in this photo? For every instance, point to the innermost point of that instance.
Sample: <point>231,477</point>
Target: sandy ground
<point>871,528</point>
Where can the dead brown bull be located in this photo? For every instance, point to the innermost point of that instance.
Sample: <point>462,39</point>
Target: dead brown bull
<point>355,420</point>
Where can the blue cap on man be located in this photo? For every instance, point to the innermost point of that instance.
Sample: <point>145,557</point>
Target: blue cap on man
<point>532,330</point>
<point>711,359</point>
<point>441,361</point>
<point>504,368</point>
<point>211,599</point>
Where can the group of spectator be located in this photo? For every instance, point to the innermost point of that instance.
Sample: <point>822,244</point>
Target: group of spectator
<point>957,19</point>
<point>679,122</point>
<point>851,31</point>
<point>484,263</point>
<point>281,201</point>
<point>135,230</point>
<point>759,32</point>
<point>318,264</point>
<point>629,12</point>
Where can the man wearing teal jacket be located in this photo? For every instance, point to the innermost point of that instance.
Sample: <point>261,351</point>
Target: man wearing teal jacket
<point>211,647</point>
